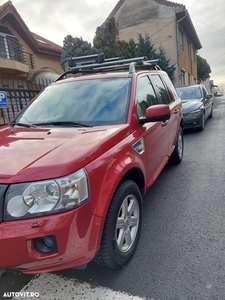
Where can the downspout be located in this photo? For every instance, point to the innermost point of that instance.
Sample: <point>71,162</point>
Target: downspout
<point>178,48</point>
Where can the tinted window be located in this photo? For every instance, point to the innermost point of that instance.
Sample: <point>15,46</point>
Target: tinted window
<point>145,95</point>
<point>96,102</point>
<point>164,97</point>
<point>204,91</point>
<point>170,86</point>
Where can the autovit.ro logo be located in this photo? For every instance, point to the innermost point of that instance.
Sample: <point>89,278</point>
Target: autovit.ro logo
<point>21,295</point>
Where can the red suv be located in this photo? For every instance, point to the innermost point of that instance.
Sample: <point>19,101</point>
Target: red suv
<point>77,161</point>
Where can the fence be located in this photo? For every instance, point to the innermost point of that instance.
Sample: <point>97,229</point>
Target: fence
<point>19,93</point>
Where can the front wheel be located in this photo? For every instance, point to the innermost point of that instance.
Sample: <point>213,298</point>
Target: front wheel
<point>122,227</point>
<point>177,154</point>
<point>202,125</point>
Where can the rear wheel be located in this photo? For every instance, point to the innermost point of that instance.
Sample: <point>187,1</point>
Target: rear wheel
<point>177,154</point>
<point>122,226</point>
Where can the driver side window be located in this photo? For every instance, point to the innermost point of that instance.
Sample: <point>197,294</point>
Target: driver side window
<point>146,96</point>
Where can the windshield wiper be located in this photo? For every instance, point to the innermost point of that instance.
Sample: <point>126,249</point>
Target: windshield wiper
<point>63,123</point>
<point>22,124</point>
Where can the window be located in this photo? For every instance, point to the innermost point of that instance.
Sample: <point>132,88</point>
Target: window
<point>188,49</point>
<point>193,55</point>
<point>189,79</point>
<point>10,47</point>
<point>170,86</point>
<point>182,78</point>
<point>94,102</point>
<point>145,95</point>
<point>180,38</point>
<point>204,91</point>
<point>164,97</point>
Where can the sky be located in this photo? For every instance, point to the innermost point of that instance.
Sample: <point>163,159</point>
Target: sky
<point>55,19</point>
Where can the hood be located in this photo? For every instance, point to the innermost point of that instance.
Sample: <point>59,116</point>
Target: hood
<point>191,105</point>
<point>29,154</point>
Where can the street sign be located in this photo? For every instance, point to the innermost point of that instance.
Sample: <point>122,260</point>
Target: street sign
<point>3,100</point>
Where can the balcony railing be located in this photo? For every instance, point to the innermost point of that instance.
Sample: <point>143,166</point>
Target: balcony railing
<point>10,48</point>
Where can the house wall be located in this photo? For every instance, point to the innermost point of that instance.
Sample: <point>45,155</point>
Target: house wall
<point>40,60</point>
<point>148,17</point>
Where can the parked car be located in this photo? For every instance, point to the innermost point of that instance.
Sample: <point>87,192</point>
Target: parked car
<point>197,105</point>
<point>77,161</point>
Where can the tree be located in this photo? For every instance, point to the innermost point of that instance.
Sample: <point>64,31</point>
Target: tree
<point>164,62</point>
<point>107,40</point>
<point>74,46</point>
<point>144,47</point>
<point>203,69</point>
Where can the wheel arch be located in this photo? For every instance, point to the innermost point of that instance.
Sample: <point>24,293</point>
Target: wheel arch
<point>134,173</point>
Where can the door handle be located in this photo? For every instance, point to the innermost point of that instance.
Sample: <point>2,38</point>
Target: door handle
<point>176,111</point>
<point>164,123</point>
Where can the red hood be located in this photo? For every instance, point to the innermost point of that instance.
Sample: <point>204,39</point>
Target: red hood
<point>28,154</point>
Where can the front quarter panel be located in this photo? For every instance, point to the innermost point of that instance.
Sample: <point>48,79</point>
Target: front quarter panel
<point>106,172</point>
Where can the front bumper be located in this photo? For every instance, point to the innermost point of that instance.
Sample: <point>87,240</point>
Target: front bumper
<point>77,234</point>
<point>192,122</point>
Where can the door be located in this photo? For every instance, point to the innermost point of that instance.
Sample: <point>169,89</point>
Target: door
<point>154,133</point>
<point>167,95</point>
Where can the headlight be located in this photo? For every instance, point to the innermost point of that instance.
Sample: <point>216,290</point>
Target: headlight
<point>25,200</point>
<point>194,113</point>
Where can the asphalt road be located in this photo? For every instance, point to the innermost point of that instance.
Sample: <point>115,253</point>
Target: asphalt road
<point>182,246</point>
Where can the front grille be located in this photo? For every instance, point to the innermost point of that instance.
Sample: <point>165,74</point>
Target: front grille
<point>3,188</point>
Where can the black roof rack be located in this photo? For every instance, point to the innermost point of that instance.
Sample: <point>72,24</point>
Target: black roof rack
<point>97,63</point>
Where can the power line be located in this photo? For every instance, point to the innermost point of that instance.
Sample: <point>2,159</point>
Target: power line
<point>162,28</point>
<point>209,25</point>
<point>217,57</point>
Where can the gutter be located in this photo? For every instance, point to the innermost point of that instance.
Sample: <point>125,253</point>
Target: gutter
<point>178,47</point>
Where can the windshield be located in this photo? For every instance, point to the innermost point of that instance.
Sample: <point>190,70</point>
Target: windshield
<point>189,93</point>
<point>88,102</point>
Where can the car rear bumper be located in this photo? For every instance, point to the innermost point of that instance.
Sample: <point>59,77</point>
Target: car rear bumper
<point>76,233</point>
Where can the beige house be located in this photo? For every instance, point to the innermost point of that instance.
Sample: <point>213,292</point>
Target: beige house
<point>28,62</point>
<point>169,25</point>
<point>24,53</point>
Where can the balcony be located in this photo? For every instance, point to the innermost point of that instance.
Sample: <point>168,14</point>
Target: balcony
<point>12,56</point>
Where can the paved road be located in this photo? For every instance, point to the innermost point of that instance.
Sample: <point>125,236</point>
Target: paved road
<point>182,246</point>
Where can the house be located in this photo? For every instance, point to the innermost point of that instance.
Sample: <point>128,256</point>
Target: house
<point>27,61</point>
<point>168,24</point>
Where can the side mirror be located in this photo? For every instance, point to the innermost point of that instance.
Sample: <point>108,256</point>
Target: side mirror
<point>208,96</point>
<point>156,113</point>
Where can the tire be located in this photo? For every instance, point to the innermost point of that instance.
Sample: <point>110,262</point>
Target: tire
<point>122,227</point>
<point>211,113</point>
<point>178,151</point>
<point>202,126</point>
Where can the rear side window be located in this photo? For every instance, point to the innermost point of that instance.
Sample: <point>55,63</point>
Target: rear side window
<point>146,95</point>
<point>164,97</point>
<point>170,87</point>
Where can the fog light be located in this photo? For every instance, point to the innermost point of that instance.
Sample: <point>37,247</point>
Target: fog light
<point>46,244</point>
